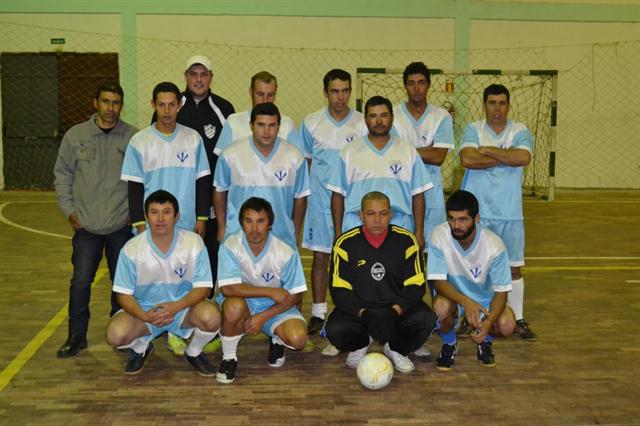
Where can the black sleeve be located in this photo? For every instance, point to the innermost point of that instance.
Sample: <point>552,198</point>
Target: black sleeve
<point>413,280</point>
<point>203,196</point>
<point>341,288</point>
<point>136,201</point>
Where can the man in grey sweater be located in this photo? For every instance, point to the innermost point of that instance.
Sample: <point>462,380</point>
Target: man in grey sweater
<point>94,199</point>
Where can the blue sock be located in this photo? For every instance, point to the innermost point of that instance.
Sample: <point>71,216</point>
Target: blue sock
<point>489,338</point>
<point>449,337</point>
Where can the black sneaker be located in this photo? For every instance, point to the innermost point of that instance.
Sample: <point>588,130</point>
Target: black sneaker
<point>227,372</point>
<point>524,331</point>
<point>485,355</point>
<point>201,364</point>
<point>315,324</point>
<point>464,329</point>
<point>276,354</point>
<point>447,356</point>
<point>135,361</point>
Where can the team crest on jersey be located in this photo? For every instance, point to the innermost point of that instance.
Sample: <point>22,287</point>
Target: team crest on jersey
<point>427,140</point>
<point>475,271</point>
<point>210,130</point>
<point>350,138</point>
<point>268,276</point>
<point>280,174</point>
<point>377,271</point>
<point>182,156</point>
<point>395,167</point>
<point>180,272</point>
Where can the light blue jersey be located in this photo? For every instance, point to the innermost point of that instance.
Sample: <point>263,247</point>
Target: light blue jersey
<point>477,272</point>
<point>499,188</point>
<point>323,139</point>
<point>154,277</point>
<point>237,127</point>
<point>396,170</point>
<point>170,162</point>
<point>279,178</point>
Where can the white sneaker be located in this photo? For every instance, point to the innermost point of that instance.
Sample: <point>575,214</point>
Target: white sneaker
<point>354,358</point>
<point>402,363</point>
<point>422,352</point>
<point>330,350</point>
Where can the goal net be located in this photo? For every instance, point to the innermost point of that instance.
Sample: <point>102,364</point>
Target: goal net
<point>533,102</point>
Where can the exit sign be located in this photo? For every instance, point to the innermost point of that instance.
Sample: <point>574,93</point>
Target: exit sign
<point>57,41</point>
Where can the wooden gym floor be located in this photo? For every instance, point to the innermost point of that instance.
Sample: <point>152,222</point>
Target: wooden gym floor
<point>582,298</point>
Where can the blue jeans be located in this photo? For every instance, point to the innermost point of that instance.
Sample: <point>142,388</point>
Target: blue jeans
<point>87,253</point>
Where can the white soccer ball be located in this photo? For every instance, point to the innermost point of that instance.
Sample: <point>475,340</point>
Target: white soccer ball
<point>375,371</point>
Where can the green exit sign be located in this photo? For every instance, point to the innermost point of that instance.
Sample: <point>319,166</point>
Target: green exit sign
<point>57,41</point>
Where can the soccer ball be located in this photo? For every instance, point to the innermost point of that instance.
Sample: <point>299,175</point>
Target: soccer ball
<point>375,371</point>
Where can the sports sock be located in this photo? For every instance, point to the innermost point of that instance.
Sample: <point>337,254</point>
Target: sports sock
<point>449,337</point>
<point>199,339</point>
<point>319,309</point>
<point>138,345</point>
<point>229,346</point>
<point>515,298</point>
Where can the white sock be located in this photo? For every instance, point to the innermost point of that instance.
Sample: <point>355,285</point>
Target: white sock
<point>229,346</point>
<point>278,341</point>
<point>515,298</point>
<point>138,345</point>
<point>199,339</point>
<point>319,309</point>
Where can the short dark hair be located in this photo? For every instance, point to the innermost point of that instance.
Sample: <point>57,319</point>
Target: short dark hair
<point>374,195</point>
<point>265,77</point>
<point>160,197</point>
<point>256,204</point>
<point>266,108</point>
<point>375,101</point>
<point>166,87</point>
<point>335,74</point>
<point>110,86</point>
<point>416,68</point>
<point>495,89</point>
<point>461,201</point>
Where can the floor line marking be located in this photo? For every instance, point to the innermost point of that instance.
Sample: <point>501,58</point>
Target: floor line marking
<point>43,335</point>
<point>25,228</point>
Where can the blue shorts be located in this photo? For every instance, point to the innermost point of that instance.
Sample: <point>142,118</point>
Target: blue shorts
<point>511,232</point>
<point>318,230</point>
<point>174,328</point>
<point>257,305</point>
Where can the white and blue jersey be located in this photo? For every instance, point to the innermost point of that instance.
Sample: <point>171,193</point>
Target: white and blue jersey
<point>396,170</point>
<point>476,272</point>
<point>153,277</point>
<point>277,266</point>
<point>244,172</point>
<point>499,188</point>
<point>170,162</point>
<point>238,127</point>
<point>323,138</point>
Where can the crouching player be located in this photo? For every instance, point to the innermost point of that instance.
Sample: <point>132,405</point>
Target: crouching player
<point>261,281</point>
<point>163,278</point>
<point>470,269</point>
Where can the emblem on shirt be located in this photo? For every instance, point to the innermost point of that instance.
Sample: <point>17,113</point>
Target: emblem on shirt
<point>361,262</point>
<point>350,138</point>
<point>395,167</point>
<point>268,276</point>
<point>180,271</point>
<point>377,271</point>
<point>427,140</point>
<point>182,156</point>
<point>209,130</point>
<point>475,271</point>
<point>280,174</point>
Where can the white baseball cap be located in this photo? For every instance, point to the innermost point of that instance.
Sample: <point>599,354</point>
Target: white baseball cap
<point>199,59</point>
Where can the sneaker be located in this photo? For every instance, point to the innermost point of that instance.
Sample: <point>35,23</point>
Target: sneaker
<point>201,364</point>
<point>330,350</point>
<point>422,352</point>
<point>315,324</point>
<point>354,357</point>
<point>523,329</point>
<point>464,329</point>
<point>276,354</point>
<point>308,346</point>
<point>213,346</point>
<point>227,371</point>
<point>402,363</point>
<point>135,361</point>
<point>176,344</point>
<point>446,357</point>
<point>485,355</point>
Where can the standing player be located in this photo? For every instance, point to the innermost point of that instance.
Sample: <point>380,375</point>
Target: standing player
<point>162,281</point>
<point>266,166</point>
<point>494,152</point>
<point>94,199</point>
<point>470,268</point>
<point>379,162</point>
<point>262,90</point>
<point>169,156</point>
<point>261,280</point>
<point>324,133</point>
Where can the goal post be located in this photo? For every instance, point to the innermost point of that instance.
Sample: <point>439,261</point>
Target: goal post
<point>533,102</point>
